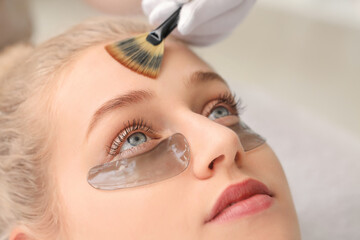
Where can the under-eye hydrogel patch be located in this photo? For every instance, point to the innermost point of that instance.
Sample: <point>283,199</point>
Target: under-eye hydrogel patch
<point>168,159</point>
<point>248,138</point>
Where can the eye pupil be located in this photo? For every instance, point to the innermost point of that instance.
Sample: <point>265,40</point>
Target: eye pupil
<point>136,139</point>
<point>219,112</point>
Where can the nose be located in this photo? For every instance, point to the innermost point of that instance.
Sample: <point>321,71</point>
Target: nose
<point>214,147</point>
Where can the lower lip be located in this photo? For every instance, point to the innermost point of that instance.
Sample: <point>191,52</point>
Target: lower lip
<point>249,206</point>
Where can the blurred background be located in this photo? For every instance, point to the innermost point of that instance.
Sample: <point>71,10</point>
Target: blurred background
<point>305,52</point>
<point>296,66</point>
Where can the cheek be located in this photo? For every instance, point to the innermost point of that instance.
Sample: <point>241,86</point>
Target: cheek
<point>97,214</point>
<point>263,163</point>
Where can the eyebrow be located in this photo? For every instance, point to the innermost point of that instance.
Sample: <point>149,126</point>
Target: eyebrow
<point>201,77</point>
<point>124,100</point>
<point>138,96</point>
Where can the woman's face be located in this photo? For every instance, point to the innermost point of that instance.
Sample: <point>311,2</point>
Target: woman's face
<point>183,99</point>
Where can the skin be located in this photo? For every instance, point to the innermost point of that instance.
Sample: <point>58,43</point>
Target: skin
<point>175,208</point>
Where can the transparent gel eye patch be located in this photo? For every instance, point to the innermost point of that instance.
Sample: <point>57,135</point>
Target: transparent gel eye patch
<point>168,159</point>
<point>248,138</point>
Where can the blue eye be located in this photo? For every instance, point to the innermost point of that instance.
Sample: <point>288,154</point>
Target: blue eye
<point>134,140</point>
<point>219,112</point>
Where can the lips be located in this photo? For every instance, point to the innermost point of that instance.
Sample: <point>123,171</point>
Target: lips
<point>236,193</point>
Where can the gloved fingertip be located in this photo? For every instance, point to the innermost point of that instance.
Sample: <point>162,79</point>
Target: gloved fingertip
<point>182,1</point>
<point>147,6</point>
<point>161,12</point>
<point>185,24</point>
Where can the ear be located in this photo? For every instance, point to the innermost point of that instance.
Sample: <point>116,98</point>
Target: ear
<point>19,233</point>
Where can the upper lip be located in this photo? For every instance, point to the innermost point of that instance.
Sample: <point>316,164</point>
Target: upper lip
<point>237,192</point>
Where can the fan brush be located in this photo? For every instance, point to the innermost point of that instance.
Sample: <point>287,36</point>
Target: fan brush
<point>143,53</point>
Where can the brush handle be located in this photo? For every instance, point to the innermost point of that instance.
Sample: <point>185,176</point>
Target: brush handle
<point>156,36</point>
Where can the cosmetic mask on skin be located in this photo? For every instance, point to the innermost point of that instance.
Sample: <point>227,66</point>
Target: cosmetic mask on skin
<point>168,159</point>
<point>248,138</point>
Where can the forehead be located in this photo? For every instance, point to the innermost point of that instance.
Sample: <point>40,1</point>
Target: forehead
<point>95,66</point>
<point>94,77</point>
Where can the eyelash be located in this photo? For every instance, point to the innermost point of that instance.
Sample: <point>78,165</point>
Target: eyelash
<point>227,98</point>
<point>129,128</point>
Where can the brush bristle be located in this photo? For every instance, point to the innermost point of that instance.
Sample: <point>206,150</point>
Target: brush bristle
<point>138,54</point>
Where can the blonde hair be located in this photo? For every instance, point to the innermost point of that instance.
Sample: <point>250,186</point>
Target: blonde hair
<point>27,195</point>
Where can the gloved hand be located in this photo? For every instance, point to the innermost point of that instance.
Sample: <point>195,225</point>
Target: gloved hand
<point>202,22</point>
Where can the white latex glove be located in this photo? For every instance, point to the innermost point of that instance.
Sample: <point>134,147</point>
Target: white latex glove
<point>202,22</point>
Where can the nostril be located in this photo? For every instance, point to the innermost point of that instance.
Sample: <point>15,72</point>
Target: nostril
<point>211,165</point>
<point>216,160</point>
<point>237,159</point>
